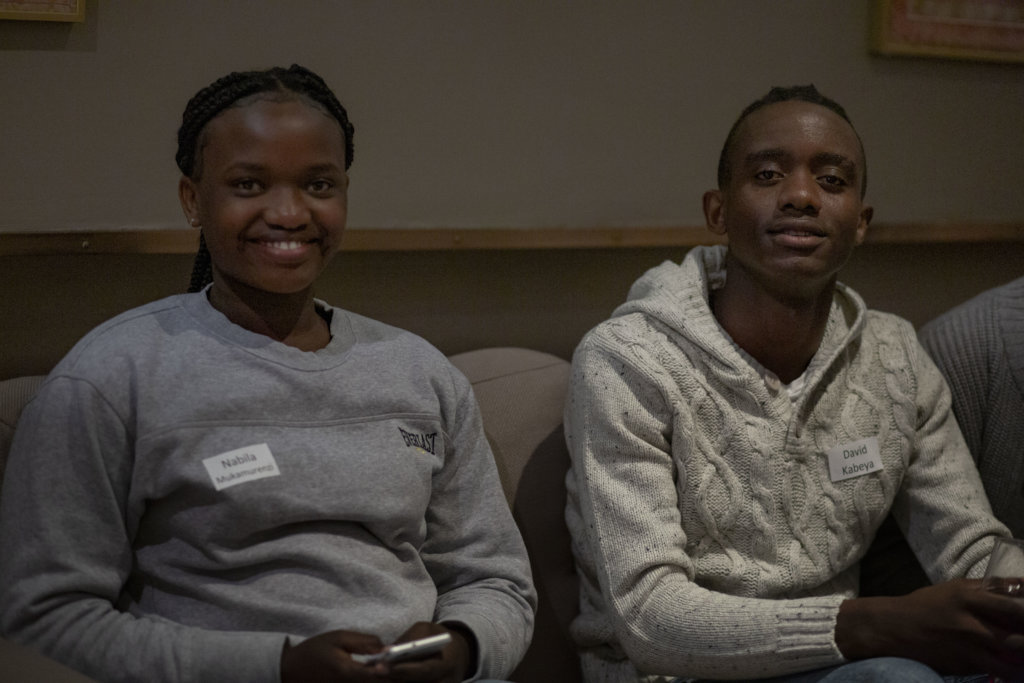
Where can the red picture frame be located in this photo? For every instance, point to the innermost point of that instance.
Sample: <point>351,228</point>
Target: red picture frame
<point>991,30</point>
<point>43,10</point>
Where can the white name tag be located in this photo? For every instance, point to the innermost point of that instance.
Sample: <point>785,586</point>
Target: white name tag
<point>241,465</point>
<point>855,459</point>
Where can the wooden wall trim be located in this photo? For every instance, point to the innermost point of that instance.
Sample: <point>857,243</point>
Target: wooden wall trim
<point>184,241</point>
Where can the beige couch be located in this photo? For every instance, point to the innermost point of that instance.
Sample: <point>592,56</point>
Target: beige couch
<point>521,393</point>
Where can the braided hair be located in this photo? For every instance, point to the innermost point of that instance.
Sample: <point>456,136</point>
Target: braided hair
<point>227,92</point>
<point>802,93</point>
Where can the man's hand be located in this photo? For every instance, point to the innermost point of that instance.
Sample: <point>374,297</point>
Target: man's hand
<point>956,627</point>
<point>326,657</point>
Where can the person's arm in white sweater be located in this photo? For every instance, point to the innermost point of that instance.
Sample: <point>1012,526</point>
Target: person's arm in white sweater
<point>619,426</point>
<point>954,626</point>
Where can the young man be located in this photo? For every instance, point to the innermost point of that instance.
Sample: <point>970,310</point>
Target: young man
<point>743,424</point>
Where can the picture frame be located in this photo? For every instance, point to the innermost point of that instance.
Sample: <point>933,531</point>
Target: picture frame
<point>43,10</point>
<point>988,30</point>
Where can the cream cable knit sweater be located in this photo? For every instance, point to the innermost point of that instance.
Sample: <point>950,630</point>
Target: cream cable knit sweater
<point>710,538</point>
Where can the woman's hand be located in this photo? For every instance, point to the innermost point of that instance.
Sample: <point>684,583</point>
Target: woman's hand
<point>326,657</point>
<point>451,665</point>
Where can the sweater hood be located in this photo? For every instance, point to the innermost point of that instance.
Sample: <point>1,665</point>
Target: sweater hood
<point>677,295</point>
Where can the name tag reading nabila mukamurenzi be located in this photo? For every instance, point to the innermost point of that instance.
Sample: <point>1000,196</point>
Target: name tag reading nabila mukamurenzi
<point>855,459</point>
<point>241,465</point>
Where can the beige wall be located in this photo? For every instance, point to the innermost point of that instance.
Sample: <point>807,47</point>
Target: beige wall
<point>502,113</point>
<point>506,113</point>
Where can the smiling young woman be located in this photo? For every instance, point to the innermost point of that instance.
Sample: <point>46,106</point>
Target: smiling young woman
<point>270,195</point>
<point>261,505</point>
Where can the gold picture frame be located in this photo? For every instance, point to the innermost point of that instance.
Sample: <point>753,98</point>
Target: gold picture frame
<point>43,10</point>
<point>990,30</point>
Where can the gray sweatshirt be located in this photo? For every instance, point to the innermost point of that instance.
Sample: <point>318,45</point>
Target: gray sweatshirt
<point>183,494</point>
<point>979,347</point>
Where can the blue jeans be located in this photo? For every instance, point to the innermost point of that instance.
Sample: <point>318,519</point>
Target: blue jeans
<point>877,670</point>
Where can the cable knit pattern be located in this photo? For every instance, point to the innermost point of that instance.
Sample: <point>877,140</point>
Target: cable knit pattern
<point>979,347</point>
<point>710,538</point>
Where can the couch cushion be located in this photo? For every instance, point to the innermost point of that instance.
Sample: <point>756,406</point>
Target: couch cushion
<point>521,393</point>
<point>19,663</point>
<point>14,394</point>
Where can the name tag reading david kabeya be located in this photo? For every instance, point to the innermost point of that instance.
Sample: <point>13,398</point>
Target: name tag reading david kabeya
<point>855,459</point>
<point>241,465</point>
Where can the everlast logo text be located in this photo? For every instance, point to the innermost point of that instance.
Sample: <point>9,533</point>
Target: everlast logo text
<point>424,442</point>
